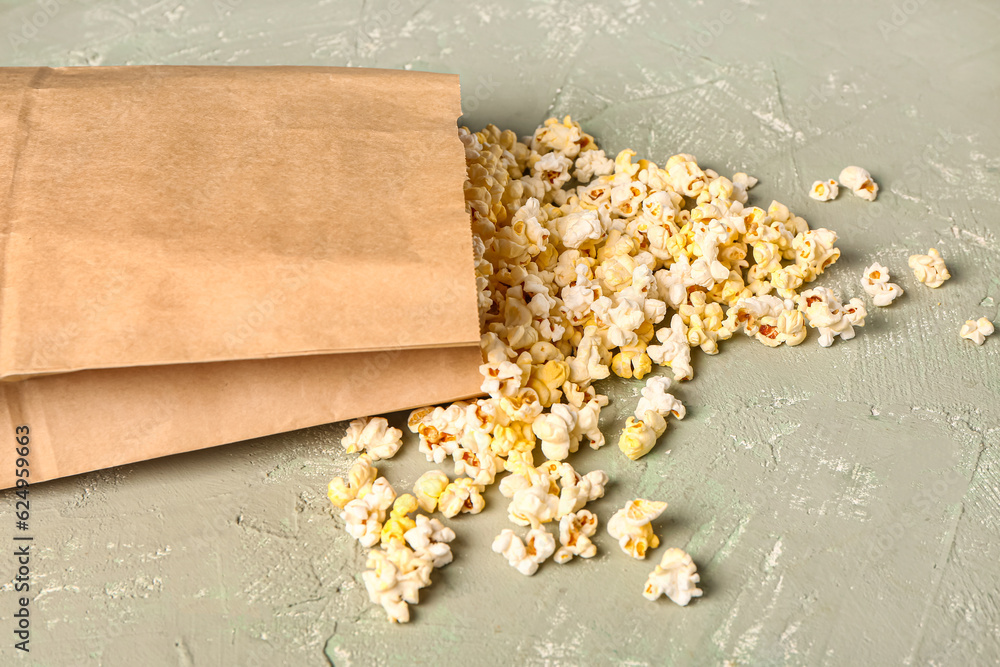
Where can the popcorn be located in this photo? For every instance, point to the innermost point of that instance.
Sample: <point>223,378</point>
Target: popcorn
<point>675,576</point>
<point>557,431</point>
<point>364,516</point>
<point>876,284</point>
<point>655,398</point>
<point>572,283</point>
<point>575,531</point>
<point>825,190</point>
<point>640,435</point>
<point>428,489</point>
<point>394,578</point>
<point>631,526</point>
<point>825,313</point>
<point>429,539</point>
<point>532,504</point>
<point>525,556</point>
<point>359,482</point>
<point>860,182</point>
<point>673,350</point>
<point>395,527</point>
<point>553,170</point>
<point>977,330</point>
<point>930,268</point>
<point>463,495</point>
<point>374,435</point>
<point>591,164</point>
<point>440,430</point>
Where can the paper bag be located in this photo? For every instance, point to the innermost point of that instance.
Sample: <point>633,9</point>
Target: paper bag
<point>198,255</point>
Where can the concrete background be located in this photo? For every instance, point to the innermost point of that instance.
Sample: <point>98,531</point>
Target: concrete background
<point>841,504</point>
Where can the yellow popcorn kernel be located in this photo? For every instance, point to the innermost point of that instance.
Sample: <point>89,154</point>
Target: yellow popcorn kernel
<point>428,489</point>
<point>512,437</point>
<point>546,380</point>
<point>632,361</point>
<point>623,163</point>
<point>639,436</point>
<point>360,478</point>
<point>398,522</point>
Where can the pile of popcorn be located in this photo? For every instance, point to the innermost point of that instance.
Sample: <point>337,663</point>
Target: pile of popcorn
<point>587,266</point>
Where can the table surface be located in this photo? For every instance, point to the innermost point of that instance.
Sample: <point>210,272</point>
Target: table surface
<point>841,504</point>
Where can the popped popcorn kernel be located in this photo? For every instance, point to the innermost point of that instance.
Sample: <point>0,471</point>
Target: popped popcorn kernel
<point>876,284</point>
<point>372,435</point>
<point>675,576</point>
<point>526,555</point>
<point>631,526</point>
<point>428,489</point>
<point>461,496</point>
<point>359,482</point>
<point>859,182</point>
<point>976,330</point>
<point>930,268</point>
<point>824,190</point>
<point>575,531</point>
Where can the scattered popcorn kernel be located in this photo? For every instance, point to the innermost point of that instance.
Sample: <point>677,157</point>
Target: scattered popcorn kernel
<point>824,190</point>
<point>461,496</point>
<point>827,315</point>
<point>876,284</point>
<point>428,489</point>
<point>976,330</point>
<point>631,526</point>
<point>394,578</point>
<point>655,398</point>
<point>372,435</point>
<point>640,435</point>
<point>575,531</point>
<point>429,539</point>
<point>525,556</point>
<point>930,268</point>
<point>675,576</point>
<point>364,516</point>
<point>534,503</point>
<point>399,522</point>
<point>859,182</point>
<point>673,350</point>
<point>359,481</point>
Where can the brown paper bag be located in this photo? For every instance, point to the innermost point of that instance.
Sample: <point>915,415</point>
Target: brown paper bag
<point>198,255</point>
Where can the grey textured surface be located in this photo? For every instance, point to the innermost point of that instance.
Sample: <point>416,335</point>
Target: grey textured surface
<point>842,504</point>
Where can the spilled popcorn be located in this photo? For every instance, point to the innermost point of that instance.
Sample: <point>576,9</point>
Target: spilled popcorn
<point>587,265</point>
<point>876,284</point>
<point>976,330</point>
<point>930,268</point>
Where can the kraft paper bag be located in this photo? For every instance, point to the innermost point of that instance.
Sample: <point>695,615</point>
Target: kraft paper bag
<point>193,256</point>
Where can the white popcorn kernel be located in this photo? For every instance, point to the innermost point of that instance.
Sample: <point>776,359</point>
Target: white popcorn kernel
<point>552,169</point>
<point>575,531</point>
<point>428,488</point>
<point>592,163</point>
<point>534,504</point>
<point>977,330</point>
<point>930,268</point>
<point>525,556</point>
<point>859,182</point>
<point>557,431</point>
<point>655,398</point>
<point>364,516</point>
<point>676,577</point>
<point>394,578</point>
<point>577,228</point>
<point>429,539</point>
<point>876,284</point>
<point>631,526</point>
<point>827,315</point>
<point>373,435</point>
<point>824,190</point>
<point>461,496</point>
<point>673,350</point>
